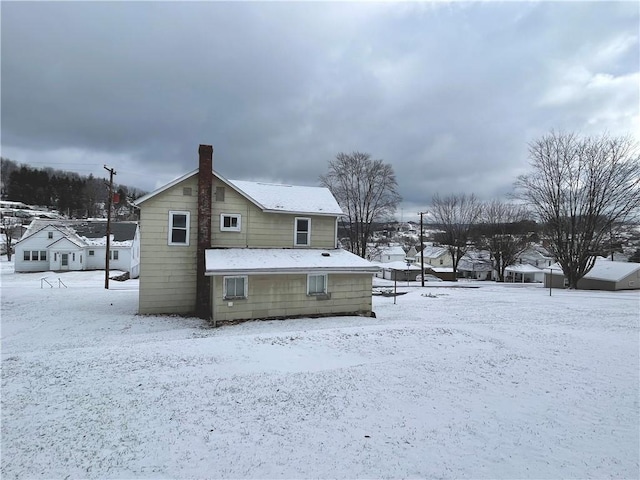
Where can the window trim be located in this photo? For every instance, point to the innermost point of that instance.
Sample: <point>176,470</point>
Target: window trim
<point>295,232</point>
<point>237,216</point>
<point>224,287</point>
<point>170,228</point>
<point>324,289</point>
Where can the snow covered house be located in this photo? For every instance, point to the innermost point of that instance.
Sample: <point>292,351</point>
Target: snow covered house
<point>392,253</point>
<point>523,273</point>
<point>605,275</point>
<point>435,256</point>
<point>60,245</point>
<point>237,250</point>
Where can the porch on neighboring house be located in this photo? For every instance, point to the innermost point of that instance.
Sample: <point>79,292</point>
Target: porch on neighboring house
<point>523,273</point>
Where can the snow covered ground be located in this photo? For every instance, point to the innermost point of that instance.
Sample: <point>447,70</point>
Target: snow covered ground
<point>499,381</point>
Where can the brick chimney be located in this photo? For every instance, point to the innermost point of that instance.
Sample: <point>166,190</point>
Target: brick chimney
<point>205,182</point>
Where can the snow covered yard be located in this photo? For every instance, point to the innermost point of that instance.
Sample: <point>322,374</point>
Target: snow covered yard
<point>500,381</point>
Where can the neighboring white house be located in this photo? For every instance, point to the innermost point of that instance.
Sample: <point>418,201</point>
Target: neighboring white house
<point>435,256</point>
<point>392,253</point>
<point>605,275</point>
<point>60,245</point>
<point>476,265</point>
<point>536,256</point>
<point>523,273</point>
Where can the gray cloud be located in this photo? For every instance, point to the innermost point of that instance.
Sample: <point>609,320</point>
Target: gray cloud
<point>450,94</point>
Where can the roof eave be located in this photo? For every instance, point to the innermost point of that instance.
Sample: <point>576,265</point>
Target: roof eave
<point>285,271</point>
<point>158,191</point>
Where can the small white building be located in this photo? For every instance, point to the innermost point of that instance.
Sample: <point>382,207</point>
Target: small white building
<point>390,254</point>
<point>78,245</point>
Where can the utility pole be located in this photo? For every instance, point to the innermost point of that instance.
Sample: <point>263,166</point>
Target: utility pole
<point>421,247</point>
<point>112,172</point>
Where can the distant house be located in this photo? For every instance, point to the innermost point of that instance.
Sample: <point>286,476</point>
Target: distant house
<point>605,275</point>
<point>536,256</point>
<point>231,250</point>
<point>523,273</point>
<point>476,265</point>
<point>435,256</point>
<point>394,253</point>
<point>60,245</point>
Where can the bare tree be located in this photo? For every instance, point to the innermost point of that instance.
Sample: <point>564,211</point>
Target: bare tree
<point>456,216</point>
<point>504,232</point>
<point>366,190</point>
<point>11,229</point>
<point>580,188</point>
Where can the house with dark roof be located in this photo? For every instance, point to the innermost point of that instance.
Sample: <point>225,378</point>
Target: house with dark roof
<point>60,245</point>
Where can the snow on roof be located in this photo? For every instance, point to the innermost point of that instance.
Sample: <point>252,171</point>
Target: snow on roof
<point>283,260</point>
<point>603,269</point>
<point>439,269</point>
<point>522,268</point>
<point>431,251</point>
<point>289,198</point>
<point>272,197</point>
<point>399,266</point>
<point>393,250</point>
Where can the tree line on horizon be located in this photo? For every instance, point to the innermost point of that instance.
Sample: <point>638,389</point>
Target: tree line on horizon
<point>69,193</point>
<point>579,192</point>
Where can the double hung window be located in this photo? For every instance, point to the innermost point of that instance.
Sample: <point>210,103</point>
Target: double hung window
<point>302,233</point>
<point>179,228</point>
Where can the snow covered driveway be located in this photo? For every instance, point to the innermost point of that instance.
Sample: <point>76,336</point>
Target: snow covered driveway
<point>500,381</point>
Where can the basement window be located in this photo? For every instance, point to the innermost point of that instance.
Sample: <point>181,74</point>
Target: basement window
<point>234,287</point>
<point>230,222</point>
<point>179,228</point>
<point>316,284</point>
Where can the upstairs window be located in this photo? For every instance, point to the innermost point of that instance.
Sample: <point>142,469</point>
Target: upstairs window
<point>230,222</point>
<point>179,228</point>
<point>50,235</point>
<point>302,234</point>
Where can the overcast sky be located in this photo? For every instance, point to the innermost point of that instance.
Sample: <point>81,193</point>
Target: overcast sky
<point>449,94</point>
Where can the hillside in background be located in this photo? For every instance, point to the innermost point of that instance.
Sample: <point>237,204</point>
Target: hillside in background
<point>71,194</point>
